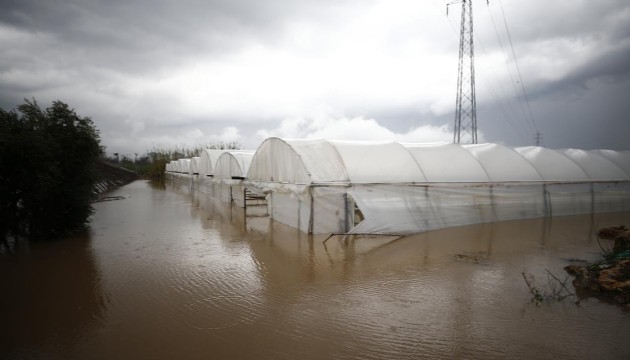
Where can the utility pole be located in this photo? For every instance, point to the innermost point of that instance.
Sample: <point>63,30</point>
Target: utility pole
<point>465,130</point>
<point>538,138</point>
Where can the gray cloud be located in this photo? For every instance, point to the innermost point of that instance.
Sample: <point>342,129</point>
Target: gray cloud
<point>150,71</point>
<point>138,36</point>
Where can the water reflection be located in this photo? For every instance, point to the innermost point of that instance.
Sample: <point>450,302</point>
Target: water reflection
<point>51,299</point>
<point>183,276</point>
<point>449,293</point>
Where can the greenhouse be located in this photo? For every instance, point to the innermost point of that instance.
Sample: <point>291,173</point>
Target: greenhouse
<point>230,170</point>
<point>183,166</point>
<point>208,159</point>
<point>194,165</point>
<point>233,165</point>
<point>321,186</point>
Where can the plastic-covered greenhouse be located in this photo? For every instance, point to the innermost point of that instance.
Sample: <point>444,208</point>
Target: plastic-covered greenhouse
<point>215,175</point>
<point>230,170</point>
<point>208,159</point>
<point>233,165</point>
<point>322,186</point>
<point>183,165</point>
<point>194,165</point>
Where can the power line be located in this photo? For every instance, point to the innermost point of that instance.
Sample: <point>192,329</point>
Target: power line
<point>518,68</point>
<point>522,102</point>
<point>513,81</point>
<point>501,102</point>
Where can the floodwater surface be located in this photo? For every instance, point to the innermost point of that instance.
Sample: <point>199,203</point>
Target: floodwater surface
<point>162,275</point>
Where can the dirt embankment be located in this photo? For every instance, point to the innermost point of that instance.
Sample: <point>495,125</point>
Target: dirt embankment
<point>609,278</point>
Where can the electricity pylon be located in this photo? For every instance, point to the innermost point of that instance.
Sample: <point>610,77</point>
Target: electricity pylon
<point>466,104</point>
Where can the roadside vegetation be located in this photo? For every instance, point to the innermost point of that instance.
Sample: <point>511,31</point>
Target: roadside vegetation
<point>152,164</point>
<point>47,171</point>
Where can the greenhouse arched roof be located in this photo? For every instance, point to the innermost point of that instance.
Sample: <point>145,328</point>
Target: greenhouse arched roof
<point>183,165</point>
<point>194,165</point>
<point>553,165</point>
<point>323,161</point>
<point>233,164</point>
<point>378,162</point>
<point>503,164</point>
<point>169,166</point>
<point>619,158</point>
<point>461,166</point>
<point>297,162</point>
<point>208,159</point>
<point>596,166</point>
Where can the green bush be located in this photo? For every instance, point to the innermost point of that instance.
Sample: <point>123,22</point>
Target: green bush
<point>47,171</point>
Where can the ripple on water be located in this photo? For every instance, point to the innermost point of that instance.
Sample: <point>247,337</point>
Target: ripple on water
<point>211,288</point>
<point>222,293</point>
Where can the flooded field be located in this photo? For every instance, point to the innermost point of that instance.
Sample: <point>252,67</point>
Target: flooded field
<point>161,275</point>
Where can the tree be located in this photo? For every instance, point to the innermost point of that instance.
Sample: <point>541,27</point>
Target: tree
<point>47,170</point>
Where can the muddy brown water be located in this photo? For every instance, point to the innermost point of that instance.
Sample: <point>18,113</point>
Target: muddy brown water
<point>162,275</point>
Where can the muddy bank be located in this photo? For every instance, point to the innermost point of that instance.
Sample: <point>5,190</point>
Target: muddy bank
<point>609,278</point>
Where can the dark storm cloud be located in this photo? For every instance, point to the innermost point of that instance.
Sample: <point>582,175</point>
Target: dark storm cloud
<point>108,59</point>
<point>80,50</point>
<point>596,38</point>
<point>533,21</point>
<point>609,66</point>
<point>138,36</point>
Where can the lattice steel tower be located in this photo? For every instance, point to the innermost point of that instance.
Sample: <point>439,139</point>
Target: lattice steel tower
<point>466,104</point>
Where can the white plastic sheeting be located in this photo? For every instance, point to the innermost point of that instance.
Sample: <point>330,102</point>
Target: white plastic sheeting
<point>461,165</point>
<point>194,165</point>
<point>297,162</point>
<point>597,167</point>
<point>229,171</point>
<point>175,166</point>
<point>233,165</point>
<point>183,166</point>
<point>378,162</point>
<point>619,158</point>
<point>503,164</point>
<point>208,159</point>
<point>553,165</point>
<point>306,162</point>
<point>387,187</point>
<point>409,209</point>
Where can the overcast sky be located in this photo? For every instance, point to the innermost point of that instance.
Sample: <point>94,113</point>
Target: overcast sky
<point>164,73</point>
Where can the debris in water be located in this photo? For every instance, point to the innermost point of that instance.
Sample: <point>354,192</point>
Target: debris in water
<point>609,278</point>
<point>470,258</point>
<point>110,198</point>
<point>611,233</point>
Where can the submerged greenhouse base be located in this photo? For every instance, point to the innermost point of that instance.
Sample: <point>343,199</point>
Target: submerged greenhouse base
<point>409,209</point>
